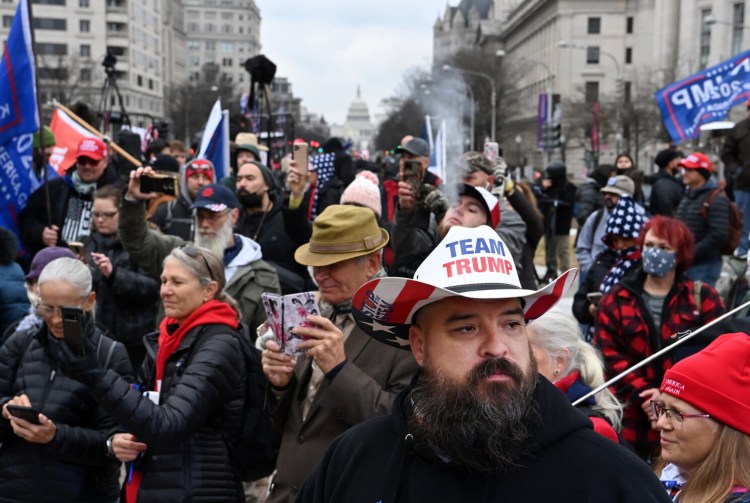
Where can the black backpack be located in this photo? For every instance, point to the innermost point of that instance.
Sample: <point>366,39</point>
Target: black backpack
<point>254,454</point>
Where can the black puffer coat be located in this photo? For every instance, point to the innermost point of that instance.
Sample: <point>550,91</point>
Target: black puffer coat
<point>128,300</point>
<point>201,399</point>
<point>74,467</point>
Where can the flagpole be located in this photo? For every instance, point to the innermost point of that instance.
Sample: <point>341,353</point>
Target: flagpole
<point>42,146</point>
<point>135,162</point>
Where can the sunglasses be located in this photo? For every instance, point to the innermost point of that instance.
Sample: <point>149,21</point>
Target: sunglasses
<point>195,252</point>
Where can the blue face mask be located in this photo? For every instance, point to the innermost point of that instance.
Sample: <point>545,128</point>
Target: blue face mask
<point>658,262</point>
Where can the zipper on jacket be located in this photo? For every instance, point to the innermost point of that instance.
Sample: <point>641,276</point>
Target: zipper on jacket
<point>47,389</point>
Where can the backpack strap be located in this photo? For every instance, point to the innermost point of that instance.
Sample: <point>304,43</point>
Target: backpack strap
<point>708,202</point>
<point>110,352</point>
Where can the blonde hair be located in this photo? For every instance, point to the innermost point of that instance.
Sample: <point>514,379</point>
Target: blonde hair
<point>727,465</point>
<point>207,267</point>
<point>557,331</point>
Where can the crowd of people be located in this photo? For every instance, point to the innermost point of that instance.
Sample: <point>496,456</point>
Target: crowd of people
<point>417,378</point>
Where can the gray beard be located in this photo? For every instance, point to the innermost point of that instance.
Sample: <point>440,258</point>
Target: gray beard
<point>481,431</point>
<point>218,243</point>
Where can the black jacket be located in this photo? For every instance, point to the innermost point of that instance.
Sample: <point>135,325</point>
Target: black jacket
<point>176,218</point>
<point>75,465</point>
<point>33,219</point>
<point>556,203</point>
<point>666,194</point>
<point>736,154</point>
<point>594,277</point>
<point>201,401</point>
<point>710,234</point>
<point>128,300</point>
<point>375,461</point>
<point>271,230</point>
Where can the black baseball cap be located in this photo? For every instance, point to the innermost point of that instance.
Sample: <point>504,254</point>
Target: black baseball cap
<point>415,146</point>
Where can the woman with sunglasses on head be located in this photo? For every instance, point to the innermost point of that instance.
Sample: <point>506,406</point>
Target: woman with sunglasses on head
<point>703,416</point>
<point>127,297</point>
<point>63,457</point>
<point>179,431</point>
<point>641,315</point>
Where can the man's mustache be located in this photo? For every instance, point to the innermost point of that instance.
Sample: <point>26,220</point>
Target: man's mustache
<point>496,366</point>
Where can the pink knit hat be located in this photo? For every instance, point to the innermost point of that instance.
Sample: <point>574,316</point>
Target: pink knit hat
<point>363,191</point>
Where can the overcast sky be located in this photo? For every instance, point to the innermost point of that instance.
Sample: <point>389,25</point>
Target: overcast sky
<point>327,47</point>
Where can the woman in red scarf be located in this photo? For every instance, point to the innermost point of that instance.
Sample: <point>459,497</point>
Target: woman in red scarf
<point>189,409</point>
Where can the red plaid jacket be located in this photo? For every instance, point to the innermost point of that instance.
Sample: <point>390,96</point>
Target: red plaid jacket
<point>625,333</point>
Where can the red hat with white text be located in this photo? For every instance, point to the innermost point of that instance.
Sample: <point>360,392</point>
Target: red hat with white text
<point>93,148</point>
<point>697,160</point>
<point>469,262</point>
<point>716,380</point>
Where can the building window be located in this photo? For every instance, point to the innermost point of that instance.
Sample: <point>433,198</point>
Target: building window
<point>139,80</point>
<point>738,24</point>
<point>210,45</point>
<point>193,45</point>
<point>209,15</point>
<point>628,55</point>
<point>209,28</point>
<point>193,27</point>
<point>592,55</point>
<point>53,73</point>
<point>226,61</point>
<point>627,92</point>
<point>85,51</point>
<point>8,21</point>
<point>52,49</point>
<point>84,4</point>
<point>629,24</point>
<point>705,40</point>
<point>151,84</point>
<point>46,23</point>
<point>226,28</point>
<point>85,74</point>
<point>192,14</point>
<point>49,2</point>
<point>595,25</point>
<point>84,25</point>
<point>592,92</point>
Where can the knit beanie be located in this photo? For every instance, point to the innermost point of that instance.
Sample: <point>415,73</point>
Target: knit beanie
<point>625,220</point>
<point>364,191</point>
<point>716,380</point>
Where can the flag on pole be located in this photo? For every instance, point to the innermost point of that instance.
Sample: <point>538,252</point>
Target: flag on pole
<point>215,142</point>
<point>426,133</point>
<point>19,119</point>
<point>68,134</point>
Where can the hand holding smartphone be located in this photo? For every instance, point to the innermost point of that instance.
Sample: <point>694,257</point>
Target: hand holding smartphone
<point>73,329</point>
<point>412,174</point>
<point>594,297</point>
<point>26,413</point>
<point>300,154</point>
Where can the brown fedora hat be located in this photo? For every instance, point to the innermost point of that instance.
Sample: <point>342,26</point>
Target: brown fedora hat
<point>339,233</point>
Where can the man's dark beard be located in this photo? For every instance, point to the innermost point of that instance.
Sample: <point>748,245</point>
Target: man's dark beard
<point>481,426</point>
<point>250,200</point>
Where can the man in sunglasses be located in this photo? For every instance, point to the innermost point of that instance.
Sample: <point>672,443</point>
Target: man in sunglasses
<point>216,212</point>
<point>71,200</point>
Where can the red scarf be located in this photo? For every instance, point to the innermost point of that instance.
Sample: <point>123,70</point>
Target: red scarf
<point>212,312</point>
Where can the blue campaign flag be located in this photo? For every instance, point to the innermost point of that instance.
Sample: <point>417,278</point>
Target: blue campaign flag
<point>215,142</point>
<point>704,97</point>
<point>19,118</point>
<point>18,112</point>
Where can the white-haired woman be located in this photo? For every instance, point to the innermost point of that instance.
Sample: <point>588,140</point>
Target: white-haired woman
<point>575,367</point>
<point>64,457</point>
<point>194,373</point>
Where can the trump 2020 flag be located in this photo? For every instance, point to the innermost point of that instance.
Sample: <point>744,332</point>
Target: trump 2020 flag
<point>19,119</point>
<point>704,97</point>
<point>68,134</point>
<point>215,142</point>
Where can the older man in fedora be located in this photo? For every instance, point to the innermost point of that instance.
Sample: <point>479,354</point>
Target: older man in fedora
<point>478,423</point>
<point>342,377</point>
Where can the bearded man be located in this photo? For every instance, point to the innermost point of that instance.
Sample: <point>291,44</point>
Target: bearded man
<point>216,212</point>
<point>478,423</point>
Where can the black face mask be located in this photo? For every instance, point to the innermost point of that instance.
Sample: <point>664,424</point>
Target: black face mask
<point>251,200</point>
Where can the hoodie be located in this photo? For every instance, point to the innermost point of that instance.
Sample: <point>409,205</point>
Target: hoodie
<point>248,252</point>
<point>568,462</point>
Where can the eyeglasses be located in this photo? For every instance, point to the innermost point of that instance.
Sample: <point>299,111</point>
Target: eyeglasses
<point>83,161</point>
<point>195,252</point>
<point>47,311</point>
<point>674,416</point>
<point>104,214</point>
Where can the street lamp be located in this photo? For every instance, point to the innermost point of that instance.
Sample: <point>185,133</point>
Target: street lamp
<point>618,87</point>
<point>518,148</point>
<point>548,119</point>
<point>493,96</point>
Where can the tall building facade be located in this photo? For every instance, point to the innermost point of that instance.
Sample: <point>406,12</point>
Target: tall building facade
<point>588,51</point>
<point>74,36</point>
<point>221,35</point>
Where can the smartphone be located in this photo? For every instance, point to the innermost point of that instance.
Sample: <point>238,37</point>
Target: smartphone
<point>299,152</point>
<point>492,150</point>
<point>594,297</point>
<point>160,182</point>
<point>412,174</point>
<point>77,247</point>
<point>23,412</point>
<point>73,328</point>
